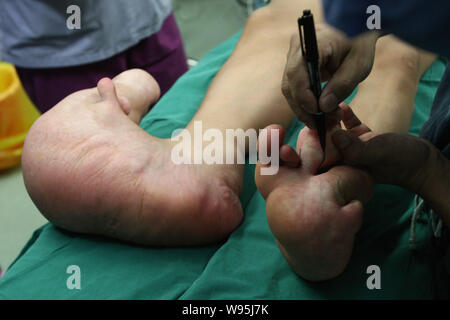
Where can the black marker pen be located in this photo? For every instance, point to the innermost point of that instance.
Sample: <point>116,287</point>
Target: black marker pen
<point>311,54</point>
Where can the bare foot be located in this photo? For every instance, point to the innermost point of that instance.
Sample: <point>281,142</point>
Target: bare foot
<point>89,168</point>
<point>314,217</point>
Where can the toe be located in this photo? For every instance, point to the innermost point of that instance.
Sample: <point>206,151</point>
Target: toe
<point>270,139</point>
<point>352,122</point>
<point>289,156</point>
<point>269,173</point>
<point>269,142</point>
<point>125,105</point>
<point>107,91</point>
<point>310,150</point>
<point>140,89</point>
<point>265,183</point>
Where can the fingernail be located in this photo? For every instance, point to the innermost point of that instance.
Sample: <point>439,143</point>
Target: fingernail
<point>329,102</point>
<point>341,140</point>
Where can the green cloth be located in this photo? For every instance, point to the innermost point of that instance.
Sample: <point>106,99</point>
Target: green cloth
<point>246,266</point>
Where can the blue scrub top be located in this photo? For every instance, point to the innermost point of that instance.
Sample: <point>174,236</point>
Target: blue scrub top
<point>35,34</point>
<point>425,24</point>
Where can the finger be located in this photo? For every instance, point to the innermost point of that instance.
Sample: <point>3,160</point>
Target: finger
<point>353,69</point>
<point>353,150</point>
<point>333,47</point>
<point>351,184</point>
<point>296,79</point>
<point>352,122</point>
<point>349,118</point>
<point>333,119</point>
<point>301,114</point>
<point>294,46</point>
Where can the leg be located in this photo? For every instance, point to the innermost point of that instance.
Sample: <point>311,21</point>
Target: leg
<point>397,70</point>
<point>315,217</point>
<point>250,80</point>
<point>98,172</point>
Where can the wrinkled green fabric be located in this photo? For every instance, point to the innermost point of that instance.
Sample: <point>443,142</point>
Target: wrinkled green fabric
<point>246,266</point>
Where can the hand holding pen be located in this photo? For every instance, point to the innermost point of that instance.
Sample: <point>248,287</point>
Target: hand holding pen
<point>343,63</point>
<point>308,44</point>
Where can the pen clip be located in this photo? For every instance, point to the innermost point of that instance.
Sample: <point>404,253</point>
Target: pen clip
<point>300,29</point>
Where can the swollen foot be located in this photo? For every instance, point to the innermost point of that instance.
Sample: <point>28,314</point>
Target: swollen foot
<point>89,168</point>
<point>314,217</point>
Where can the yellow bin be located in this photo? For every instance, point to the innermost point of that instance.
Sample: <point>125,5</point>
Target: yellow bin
<point>17,114</point>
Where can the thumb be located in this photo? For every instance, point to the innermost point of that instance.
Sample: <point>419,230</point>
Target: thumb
<point>352,149</point>
<point>350,73</point>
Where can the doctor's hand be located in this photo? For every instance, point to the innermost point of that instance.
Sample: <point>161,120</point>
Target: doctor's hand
<point>399,159</point>
<point>344,63</point>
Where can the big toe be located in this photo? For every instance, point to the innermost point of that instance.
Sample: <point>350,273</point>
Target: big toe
<point>308,146</point>
<point>312,155</point>
<point>137,90</point>
<point>142,83</point>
